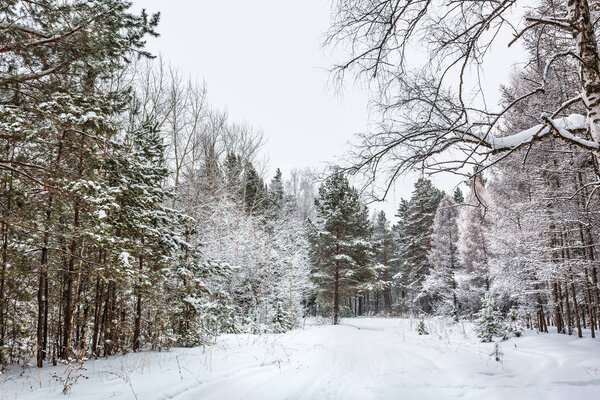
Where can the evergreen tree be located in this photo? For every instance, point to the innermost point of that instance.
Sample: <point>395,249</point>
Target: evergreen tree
<point>474,248</point>
<point>415,229</point>
<point>441,284</point>
<point>489,321</point>
<point>255,192</point>
<point>341,244</point>
<point>276,191</point>
<point>135,175</point>
<point>57,59</point>
<point>233,174</point>
<point>402,238</point>
<point>282,320</point>
<point>457,196</point>
<point>385,245</point>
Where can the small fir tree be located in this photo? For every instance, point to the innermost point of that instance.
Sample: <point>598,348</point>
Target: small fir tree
<point>489,322</point>
<point>421,330</point>
<point>282,319</point>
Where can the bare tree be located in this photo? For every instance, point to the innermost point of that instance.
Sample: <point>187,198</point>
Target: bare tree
<point>433,114</point>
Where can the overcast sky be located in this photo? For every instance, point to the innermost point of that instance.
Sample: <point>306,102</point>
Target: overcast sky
<point>262,61</point>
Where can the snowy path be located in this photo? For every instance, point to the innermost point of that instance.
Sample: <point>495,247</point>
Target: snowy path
<point>361,359</point>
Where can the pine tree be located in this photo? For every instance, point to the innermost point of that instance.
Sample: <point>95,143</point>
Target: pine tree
<point>57,59</point>
<point>441,284</point>
<point>341,243</point>
<point>415,229</point>
<point>385,245</point>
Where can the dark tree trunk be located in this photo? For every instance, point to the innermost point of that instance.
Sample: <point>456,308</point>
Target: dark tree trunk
<point>557,312</point>
<point>138,310</point>
<point>68,292</point>
<point>42,297</point>
<point>336,295</point>
<point>576,308</point>
<point>590,306</point>
<point>568,310</point>
<point>5,229</point>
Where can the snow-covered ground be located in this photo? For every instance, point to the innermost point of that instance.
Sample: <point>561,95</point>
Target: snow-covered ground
<point>366,358</point>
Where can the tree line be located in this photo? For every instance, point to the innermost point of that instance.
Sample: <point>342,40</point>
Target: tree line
<point>527,232</point>
<point>497,248</point>
<point>133,214</point>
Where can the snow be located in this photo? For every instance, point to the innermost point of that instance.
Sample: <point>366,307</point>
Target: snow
<point>124,258</point>
<point>563,127</point>
<point>363,358</point>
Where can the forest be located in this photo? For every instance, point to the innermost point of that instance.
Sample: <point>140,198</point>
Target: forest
<point>136,216</point>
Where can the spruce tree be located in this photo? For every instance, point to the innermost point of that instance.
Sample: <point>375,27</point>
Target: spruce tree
<point>282,320</point>
<point>458,196</point>
<point>341,243</point>
<point>415,229</point>
<point>276,191</point>
<point>233,174</point>
<point>255,191</point>
<point>489,321</point>
<point>474,247</point>
<point>441,284</point>
<point>385,245</point>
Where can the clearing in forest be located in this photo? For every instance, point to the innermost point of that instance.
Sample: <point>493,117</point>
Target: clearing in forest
<point>363,358</point>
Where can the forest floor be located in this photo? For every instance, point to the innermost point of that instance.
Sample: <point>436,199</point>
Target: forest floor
<point>363,358</point>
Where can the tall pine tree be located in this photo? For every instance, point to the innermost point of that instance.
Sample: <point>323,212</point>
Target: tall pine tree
<point>385,248</point>
<point>341,243</point>
<point>415,228</point>
<point>441,284</point>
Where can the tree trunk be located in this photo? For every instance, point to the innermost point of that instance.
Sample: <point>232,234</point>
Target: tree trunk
<point>360,305</point>
<point>336,282</point>
<point>42,297</point>
<point>557,312</point>
<point>2,286</point>
<point>575,308</point>
<point>336,294</point>
<point>138,310</point>
<point>587,48</point>
<point>590,306</point>
<point>568,309</point>
<point>5,235</point>
<point>68,290</point>
<point>106,317</point>
<point>97,311</point>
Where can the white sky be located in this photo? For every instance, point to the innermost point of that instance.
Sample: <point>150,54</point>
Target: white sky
<point>263,62</point>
